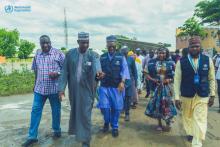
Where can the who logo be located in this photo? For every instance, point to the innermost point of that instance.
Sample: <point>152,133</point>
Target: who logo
<point>9,9</point>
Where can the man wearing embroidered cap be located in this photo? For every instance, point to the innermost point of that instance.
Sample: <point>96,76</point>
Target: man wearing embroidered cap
<point>81,68</point>
<point>111,91</point>
<point>194,83</point>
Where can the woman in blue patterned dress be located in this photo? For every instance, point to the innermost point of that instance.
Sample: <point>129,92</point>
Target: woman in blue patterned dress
<point>161,71</point>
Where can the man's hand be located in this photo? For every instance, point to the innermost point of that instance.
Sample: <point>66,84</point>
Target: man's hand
<point>166,81</point>
<point>178,104</point>
<point>156,81</point>
<point>144,71</point>
<point>121,86</point>
<point>100,75</point>
<point>54,75</point>
<point>211,101</point>
<point>61,95</point>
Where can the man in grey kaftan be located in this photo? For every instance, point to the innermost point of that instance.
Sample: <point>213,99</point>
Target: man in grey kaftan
<point>81,67</point>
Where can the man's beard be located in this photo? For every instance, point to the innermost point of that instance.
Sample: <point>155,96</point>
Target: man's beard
<point>83,50</point>
<point>111,52</point>
<point>194,54</point>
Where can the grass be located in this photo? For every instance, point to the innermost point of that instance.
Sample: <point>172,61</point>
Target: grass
<point>17,82</point>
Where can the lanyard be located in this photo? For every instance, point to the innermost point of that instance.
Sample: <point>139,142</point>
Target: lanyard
<point>193,64</point>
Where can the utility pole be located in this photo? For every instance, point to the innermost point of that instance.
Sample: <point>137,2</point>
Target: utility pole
<point>65,29</point>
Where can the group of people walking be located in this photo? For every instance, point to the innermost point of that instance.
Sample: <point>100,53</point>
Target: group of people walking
<point>117,76</point>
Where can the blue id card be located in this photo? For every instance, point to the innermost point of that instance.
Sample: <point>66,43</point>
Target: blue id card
<point>196,79</point>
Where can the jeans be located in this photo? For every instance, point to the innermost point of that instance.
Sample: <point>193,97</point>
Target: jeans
<point>37,108</point>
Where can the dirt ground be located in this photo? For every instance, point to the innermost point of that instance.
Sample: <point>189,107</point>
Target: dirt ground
<point>139,132</point>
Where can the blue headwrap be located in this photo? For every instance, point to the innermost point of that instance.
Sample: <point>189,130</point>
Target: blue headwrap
<point>111,38</point>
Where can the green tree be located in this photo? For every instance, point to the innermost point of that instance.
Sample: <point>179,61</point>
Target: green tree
<point>8,42</point>
<point>25,49</point>
<point>192,27</point>
<point>63,49</point>
<point>208,11</point>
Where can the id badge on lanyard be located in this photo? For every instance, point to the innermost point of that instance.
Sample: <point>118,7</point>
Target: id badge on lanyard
<point>196,76</point>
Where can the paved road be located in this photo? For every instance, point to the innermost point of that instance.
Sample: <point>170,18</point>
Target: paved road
<point>139,132</point>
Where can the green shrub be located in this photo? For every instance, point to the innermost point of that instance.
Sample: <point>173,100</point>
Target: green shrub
<point>17,82</point>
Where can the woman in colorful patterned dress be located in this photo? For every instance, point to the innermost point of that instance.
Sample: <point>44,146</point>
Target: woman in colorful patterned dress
<point>161,71</point>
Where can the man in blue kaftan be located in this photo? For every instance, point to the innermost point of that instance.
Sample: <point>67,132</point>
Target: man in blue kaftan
<point>111,91</point>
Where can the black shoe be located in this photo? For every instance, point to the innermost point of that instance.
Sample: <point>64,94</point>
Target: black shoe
<point>127,118</point>
<point>133,106</point>
<point>115,133</point>
<point>56,135</point>
<point>147,95</point>
<point>29,142</point>
<point>85,144</point>
<point>189,138</point>
<point>105,128</point>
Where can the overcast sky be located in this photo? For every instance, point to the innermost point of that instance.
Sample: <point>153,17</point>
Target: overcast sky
<point>147,20</point>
